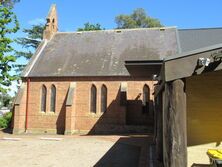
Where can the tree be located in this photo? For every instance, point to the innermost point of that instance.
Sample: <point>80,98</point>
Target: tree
<point>8,3</point>
<point>5,120</point>
<point>8,25</point>
<point>138,19</point>
<point>91,27</point>
<point>5,100</point>
<point>33,38</point>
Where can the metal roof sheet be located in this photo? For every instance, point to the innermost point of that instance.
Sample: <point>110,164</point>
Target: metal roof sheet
<point>192,39</point>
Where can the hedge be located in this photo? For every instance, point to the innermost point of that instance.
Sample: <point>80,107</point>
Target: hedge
<point>5,120</point>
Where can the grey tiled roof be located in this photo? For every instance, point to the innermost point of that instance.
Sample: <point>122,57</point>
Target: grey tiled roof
<point>101,53</point>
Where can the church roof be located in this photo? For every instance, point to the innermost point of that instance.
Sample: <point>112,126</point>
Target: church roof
<point>103,53</point>
<point>100,53</point>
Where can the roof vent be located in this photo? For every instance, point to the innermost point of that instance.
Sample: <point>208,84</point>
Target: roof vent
<point>118,31</point>
<point>162,29</point>
<point>79,32</point>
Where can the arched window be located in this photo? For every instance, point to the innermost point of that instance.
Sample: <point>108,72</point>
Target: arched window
<point>146,98</point>
<point>93,99</point>
<point>103,98</point>
<point>43,98</point>
<point>53,98</point>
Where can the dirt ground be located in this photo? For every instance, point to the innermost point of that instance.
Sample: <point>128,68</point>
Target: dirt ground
<point>75,151</point>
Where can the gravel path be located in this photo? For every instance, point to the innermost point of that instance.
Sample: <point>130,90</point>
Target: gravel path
<point>71,151</point>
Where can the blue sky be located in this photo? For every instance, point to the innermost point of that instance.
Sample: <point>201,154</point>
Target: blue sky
<point>73,14</point>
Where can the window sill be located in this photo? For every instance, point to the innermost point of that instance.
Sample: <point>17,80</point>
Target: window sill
<point>48,113</point>
<point>96,115</point>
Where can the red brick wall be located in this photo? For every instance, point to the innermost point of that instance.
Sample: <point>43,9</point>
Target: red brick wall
<point>84,120</point>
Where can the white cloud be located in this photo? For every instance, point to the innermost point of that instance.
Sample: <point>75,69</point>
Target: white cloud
<point>37,21</point>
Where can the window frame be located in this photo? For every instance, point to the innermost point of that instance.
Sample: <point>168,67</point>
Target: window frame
<point>103,105</point>
<point>93,99</point>
<point>53,99</point>
<point>43,98</point>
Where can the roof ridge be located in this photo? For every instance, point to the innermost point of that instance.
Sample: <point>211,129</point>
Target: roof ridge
<point>116,30</point>
<point>34,58</point>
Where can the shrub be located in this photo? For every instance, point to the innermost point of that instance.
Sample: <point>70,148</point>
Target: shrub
<point>5,121</point>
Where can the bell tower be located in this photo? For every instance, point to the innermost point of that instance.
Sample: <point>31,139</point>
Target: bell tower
<point>51,26</point>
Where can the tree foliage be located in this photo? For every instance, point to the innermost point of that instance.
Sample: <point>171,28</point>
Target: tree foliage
<point>8,3</point>
<point>5,100</point>
<point>138,19</point>
<point>33,38</point>
<point>8,25</point>
<point>90,27</point>
<point>5,121</point>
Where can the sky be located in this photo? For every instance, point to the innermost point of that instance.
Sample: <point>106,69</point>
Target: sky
<point>73,14</point>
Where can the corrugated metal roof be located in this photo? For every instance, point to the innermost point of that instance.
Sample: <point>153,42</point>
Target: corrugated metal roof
<point>102,53</point>
<point>192,39</point>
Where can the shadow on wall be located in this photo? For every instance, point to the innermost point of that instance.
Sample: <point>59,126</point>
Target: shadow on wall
<point>127,151</point>
<point>204,109</point>
<point>130,151</point>
<point>211,139</point>
<point>123,116</point>
<point>60,122</point>
<point>201,165</point>
<point>138,114</point>
<point>204,130</point>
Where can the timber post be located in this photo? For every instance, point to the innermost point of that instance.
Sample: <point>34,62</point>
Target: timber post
<point>159,127</point>
<point>174,124</point>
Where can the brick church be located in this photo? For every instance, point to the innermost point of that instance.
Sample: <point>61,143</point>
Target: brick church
<point>94,82</point>
<point>77,82</point>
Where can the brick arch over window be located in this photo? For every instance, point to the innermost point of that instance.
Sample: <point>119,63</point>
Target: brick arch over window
<point>103,98</point>
<point>93,98</point>
<point>43,98</point>
<point>146,98</point>
<point>53,98</point>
